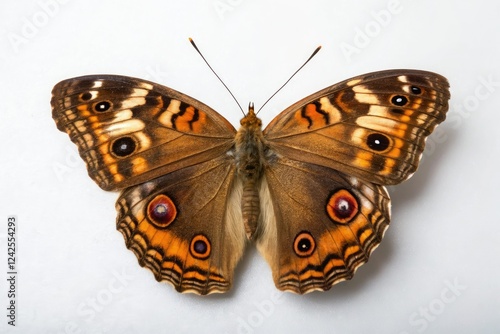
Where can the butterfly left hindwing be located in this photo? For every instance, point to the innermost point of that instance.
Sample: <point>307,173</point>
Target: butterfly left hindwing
<point>308,190</point>
<point>184,226</point>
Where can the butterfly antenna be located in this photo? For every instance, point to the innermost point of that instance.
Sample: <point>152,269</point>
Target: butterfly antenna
<point>210,67</point>
<point>310,57</point>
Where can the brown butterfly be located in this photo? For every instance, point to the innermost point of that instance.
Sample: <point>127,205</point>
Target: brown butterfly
<point>308,190</point>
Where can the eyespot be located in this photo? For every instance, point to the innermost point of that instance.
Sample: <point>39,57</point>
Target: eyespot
<point>304,244</point>
<point>85,96</point>
<point>102,106</point>
<point>200,247</point>
<point>342,206</point>
<point>399,100</point>
<point>378,142</point>
<point>161,211</point>
<point>416,90</point>
<point>123,146</point>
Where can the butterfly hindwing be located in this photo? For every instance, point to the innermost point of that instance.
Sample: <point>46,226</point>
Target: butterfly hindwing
<point>325,224</point>
<point>186,226</point>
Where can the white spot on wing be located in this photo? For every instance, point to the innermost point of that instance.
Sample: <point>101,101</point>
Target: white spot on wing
<point>353,82</point>
<point>365,95</point>
<point>166,117</point>
<point>358,138</point>
<point>133,102</point>
<point>403,78</point>
<point>174,106</point>
<point>333,112</point>
<point>378,111</point>
<point>124,124</point>
<point>140,92</point>
<point>146,85</point>
<point>377,123</point>
<point>126,127</point>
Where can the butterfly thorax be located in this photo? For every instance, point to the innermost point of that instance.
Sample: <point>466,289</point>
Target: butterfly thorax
<point>249,156</point>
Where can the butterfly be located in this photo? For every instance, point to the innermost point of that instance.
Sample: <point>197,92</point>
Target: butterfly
<point>308,190</point>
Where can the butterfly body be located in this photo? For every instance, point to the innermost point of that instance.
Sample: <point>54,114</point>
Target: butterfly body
<point>250,162</point>
<point>308,190</point>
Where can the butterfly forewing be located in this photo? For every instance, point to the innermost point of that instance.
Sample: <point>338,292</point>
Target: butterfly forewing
<point>373,126</point>
<point>129,131</point>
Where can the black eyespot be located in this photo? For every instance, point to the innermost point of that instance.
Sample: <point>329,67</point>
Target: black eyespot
<point>416,90</point>
<point>102,106</point>
<point>86,96</point>
<point>200,247</point>
<point>304,244</point>
<point>124,146</point>
<point>399,100</point>
<point>377,142</point>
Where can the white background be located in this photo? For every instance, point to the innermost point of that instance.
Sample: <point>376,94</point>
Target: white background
<point>437,270</point>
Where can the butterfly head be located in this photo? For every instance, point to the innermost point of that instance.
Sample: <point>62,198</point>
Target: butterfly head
<point>251,118</point>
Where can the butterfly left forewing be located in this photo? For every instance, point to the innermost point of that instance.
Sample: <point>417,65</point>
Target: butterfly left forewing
<point>319,225</point>
<point>373,126</point>
<point>129,130</point>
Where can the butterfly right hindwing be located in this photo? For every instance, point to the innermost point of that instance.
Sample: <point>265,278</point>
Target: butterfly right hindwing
<point>325,225</point>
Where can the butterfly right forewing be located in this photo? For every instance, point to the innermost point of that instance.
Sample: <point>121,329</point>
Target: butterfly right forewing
<point>373,126</point>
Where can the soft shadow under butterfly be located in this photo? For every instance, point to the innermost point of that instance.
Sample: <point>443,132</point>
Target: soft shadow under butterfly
<point>308,190</point>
